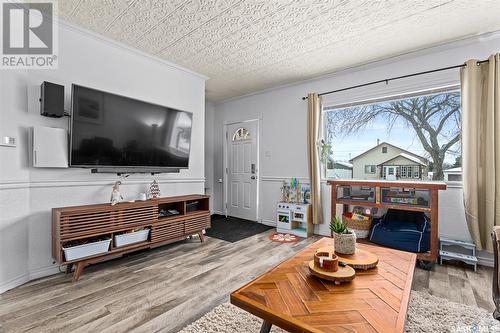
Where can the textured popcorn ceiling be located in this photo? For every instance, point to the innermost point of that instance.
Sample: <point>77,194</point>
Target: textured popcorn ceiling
<point>246,46</point>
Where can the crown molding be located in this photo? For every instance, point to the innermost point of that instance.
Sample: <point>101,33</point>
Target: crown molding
<point>63,24</point>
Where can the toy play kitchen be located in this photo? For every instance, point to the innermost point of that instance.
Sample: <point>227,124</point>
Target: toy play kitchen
<point>293,213</point>
<point>293,218</point>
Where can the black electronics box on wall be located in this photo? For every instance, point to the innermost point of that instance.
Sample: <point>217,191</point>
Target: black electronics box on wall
<point>51,100</point>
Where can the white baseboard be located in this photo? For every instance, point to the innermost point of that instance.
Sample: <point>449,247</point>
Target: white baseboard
<point>270,223</point>
<point>43,272</point>
<point>15,282</point>
<point>29,276</point>
<point>218,212</point>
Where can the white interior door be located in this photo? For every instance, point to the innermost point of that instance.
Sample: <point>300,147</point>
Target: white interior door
<point>242,169</point>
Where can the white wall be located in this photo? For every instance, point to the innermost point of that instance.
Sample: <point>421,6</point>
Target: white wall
<point>283,114</point>
<point>28,194</point>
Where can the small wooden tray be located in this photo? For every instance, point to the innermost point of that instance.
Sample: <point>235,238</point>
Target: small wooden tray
<point>361,259</point>
<point>344,274</point>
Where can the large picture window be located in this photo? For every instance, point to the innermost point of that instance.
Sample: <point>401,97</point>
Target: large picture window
<point>412,137</point>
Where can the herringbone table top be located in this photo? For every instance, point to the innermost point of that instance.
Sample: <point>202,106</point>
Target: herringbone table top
<point>290,297</point>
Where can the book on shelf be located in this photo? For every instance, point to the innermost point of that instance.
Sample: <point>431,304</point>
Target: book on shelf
<point>402,200</point>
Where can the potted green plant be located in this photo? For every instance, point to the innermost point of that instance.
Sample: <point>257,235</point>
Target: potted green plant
<point>344,240</point>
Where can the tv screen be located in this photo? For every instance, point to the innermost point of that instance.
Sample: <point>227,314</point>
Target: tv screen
<point>109,130</point>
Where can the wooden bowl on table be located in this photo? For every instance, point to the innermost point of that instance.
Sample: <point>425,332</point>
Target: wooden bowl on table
<point>327,261</point>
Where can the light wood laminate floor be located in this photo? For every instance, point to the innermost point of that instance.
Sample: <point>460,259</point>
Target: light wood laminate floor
<point>167,288</point>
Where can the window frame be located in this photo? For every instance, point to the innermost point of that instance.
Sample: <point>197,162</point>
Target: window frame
<point>388,95</point>
<point>372,166</point>
<point>403,171</point>
<point>241,134</point>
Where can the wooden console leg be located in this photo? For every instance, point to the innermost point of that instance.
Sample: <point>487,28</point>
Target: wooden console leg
<point>202,237</point>
<point>69,268</point>
<point>78,270</point>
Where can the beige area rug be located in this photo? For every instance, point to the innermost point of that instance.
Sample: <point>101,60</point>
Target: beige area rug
<point>426,313</point>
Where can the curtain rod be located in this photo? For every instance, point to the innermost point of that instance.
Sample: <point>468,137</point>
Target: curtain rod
<point>395,78</point>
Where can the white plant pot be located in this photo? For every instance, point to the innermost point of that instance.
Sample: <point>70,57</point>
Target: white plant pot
<point>131,238</point>
<point>86,250</point>
<point>345,243</point>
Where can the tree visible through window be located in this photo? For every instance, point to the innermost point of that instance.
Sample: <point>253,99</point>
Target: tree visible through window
<point>416,137</point>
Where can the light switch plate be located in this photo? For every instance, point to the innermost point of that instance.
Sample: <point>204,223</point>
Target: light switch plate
<point>8,141</point>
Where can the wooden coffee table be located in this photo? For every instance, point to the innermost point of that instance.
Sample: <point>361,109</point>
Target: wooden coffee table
<point>288,296</point>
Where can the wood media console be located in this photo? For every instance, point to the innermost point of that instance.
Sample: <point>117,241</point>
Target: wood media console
<point>168,220</point>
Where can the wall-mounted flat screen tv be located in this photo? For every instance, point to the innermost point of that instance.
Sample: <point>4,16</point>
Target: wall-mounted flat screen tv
<point>113,131</point>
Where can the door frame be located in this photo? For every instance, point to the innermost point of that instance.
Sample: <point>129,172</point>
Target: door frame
<point>392,167</point>
<point>225,139</point>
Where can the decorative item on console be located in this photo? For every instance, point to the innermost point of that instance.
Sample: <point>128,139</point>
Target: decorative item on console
<point>116,197</point>
<point>154,190</point>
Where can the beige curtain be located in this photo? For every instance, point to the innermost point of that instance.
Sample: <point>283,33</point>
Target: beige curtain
<point>480,87</point>
<point>313,133</point>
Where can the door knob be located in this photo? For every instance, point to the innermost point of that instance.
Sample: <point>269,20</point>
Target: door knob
<point>253,177</point>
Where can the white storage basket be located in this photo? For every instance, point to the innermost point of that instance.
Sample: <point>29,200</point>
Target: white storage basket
<point>131,238</point>
<point>86,250</point>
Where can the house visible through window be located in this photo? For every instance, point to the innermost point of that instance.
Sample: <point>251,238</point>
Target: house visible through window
<point>412,137</point>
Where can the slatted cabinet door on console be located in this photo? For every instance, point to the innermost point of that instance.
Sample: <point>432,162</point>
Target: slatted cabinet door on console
<point>90,230</point>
